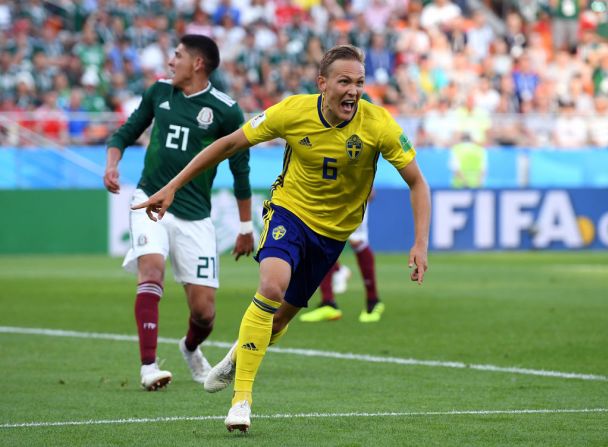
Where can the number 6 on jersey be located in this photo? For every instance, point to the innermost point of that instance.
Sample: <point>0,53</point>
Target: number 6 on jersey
<point>329,172</point>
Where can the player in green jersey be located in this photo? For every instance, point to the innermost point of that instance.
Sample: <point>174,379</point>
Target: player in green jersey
<point>189,114</point>
<point>333,141</point>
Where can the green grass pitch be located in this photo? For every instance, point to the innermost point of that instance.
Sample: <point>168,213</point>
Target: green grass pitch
<point>495,349</point>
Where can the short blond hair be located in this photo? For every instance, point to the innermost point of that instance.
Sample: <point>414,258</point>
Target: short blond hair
<point>340,52</point>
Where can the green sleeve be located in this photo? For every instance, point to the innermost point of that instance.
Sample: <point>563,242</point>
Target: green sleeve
<point>137,123</point>
<point>239,166</point>
<point>239,162</point>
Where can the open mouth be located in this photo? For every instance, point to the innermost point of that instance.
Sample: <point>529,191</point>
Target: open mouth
<point>348,105</point>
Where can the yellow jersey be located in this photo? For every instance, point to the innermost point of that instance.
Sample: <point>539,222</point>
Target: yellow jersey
<point>328,171</point>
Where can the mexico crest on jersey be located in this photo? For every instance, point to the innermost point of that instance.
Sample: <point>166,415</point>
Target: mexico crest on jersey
<point>142,240</point>
<point>205,117</point>
<point>354,145</point>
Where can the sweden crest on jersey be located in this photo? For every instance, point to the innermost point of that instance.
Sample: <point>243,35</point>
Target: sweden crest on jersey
<point>354,145</point>
<point>278,232</point>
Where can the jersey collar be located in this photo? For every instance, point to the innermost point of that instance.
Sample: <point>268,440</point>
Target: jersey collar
<point>324,121</point>
<point>205,90</point>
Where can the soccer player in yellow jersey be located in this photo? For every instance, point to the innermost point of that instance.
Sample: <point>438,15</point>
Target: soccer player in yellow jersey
<point>333,142</point>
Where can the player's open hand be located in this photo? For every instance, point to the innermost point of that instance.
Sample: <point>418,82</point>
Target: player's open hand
<point>418,260</point>
<point>243,245</point>
<point>157,203</point>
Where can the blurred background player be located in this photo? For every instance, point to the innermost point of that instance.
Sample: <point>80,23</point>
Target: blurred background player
<point>335,282</point>
<point>188,114</point>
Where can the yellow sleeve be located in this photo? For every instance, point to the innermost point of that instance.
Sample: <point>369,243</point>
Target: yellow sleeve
<point>266,126</point>
<point>395,147</point>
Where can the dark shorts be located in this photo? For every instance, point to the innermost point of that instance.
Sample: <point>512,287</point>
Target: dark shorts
<point>310,255</point>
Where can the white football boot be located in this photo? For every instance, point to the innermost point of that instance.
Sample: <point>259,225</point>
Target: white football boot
<point>239,417</point>
<point>153,378</point>
<point>198,364</point>
<point>339,280</point>
<point>222,374</point>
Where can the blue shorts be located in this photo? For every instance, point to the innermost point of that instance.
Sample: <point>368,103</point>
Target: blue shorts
<point>310,255</point>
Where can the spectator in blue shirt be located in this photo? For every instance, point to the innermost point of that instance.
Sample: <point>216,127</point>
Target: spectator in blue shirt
<point>525,78</point>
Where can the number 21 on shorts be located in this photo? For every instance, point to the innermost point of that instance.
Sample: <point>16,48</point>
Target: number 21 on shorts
<point>206,269</point>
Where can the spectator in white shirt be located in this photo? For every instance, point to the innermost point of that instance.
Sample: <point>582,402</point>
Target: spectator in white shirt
<point>479,36</point>
<point>598,123</point>
<point>439,126</point>
<point>486,97</point>
<point>156,56</point>
<point>440,14</point>
<point>570,131</point>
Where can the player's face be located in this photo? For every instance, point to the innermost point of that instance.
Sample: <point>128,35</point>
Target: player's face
<point>343,88</point>
<point>182,66</point>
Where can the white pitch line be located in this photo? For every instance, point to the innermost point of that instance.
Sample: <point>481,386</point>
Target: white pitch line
<point>305,416</point>
<point>325,354</point>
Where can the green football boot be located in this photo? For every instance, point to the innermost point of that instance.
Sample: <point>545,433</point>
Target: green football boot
<point>374,316</point>
<point>323,313</point>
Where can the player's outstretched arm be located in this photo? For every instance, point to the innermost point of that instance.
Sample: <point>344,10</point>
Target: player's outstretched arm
<point>219,150</point>
<point>420,197</point>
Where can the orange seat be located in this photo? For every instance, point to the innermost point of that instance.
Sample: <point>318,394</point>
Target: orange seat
<point>376,92</point>
<point>392,109</point>
<point>343,25</point>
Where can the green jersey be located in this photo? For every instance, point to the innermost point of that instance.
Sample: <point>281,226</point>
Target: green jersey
<point>183,126</point>
<point>567,10</point>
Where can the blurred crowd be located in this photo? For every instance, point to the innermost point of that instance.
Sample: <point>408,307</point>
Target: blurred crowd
<point>519,73</point>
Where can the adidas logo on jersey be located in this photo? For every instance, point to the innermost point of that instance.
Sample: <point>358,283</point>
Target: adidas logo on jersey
<point>164,105</point>
<point>250,346</point>
<point>305,142</point>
